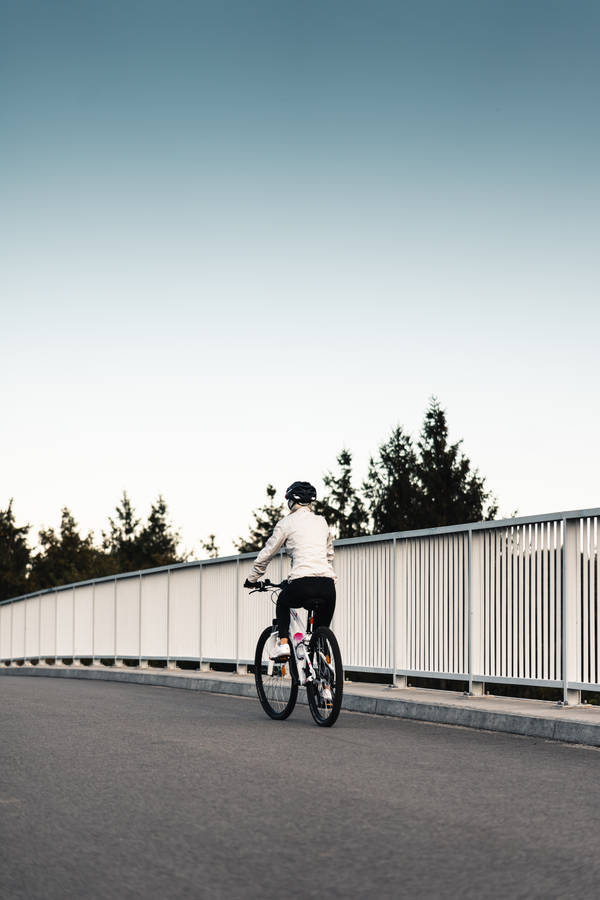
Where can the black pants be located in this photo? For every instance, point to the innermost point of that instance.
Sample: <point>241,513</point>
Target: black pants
<point>306,593</point>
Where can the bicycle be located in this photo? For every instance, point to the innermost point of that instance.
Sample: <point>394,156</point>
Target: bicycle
<point>315,662</point>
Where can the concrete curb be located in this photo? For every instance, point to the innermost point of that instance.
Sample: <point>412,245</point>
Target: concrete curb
<point>511,723</point>
<point>538,726</point>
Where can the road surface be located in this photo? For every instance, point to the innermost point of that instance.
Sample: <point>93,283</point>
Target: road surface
<point>122,791</point>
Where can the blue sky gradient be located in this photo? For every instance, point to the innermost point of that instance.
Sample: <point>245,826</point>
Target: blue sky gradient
<point>238,236</point>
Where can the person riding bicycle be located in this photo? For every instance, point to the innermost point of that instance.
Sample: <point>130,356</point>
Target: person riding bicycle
<point>311,581</point>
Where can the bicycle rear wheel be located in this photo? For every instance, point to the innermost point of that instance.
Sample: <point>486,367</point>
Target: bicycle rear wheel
<point>325,694</point>
<point>276,682</point>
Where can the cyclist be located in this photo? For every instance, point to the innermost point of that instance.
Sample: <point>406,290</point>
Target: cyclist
<point>307,539</point>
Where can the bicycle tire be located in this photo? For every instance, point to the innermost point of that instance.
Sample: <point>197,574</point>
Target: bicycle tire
<point>277,693</point>
<point>324,641</point>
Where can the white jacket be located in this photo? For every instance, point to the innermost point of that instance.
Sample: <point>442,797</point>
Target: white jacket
<point>307,539</point>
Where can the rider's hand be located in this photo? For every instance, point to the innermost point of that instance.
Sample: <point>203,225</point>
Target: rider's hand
<point>252,584</point>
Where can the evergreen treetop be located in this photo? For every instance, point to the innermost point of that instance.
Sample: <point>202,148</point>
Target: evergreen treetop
<point>342,505</point>
<point>451,491</point>
<point>15,555</point>
<point>391,487</point>
<point>65,556</point>
<point>265,520</point>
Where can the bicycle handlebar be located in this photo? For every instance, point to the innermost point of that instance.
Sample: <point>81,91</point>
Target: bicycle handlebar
<point>267,584</point>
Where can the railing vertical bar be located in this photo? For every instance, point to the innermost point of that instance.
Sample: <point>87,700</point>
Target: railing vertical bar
<point>454,589</point>
<point>596,611</point>
<point>439,666</point>
<point>444,603</point>
<point>115,615</point>
<point>55,625</point>
<point>543,589</point>
<point>200,625</point>
<point>506,600</point>
<point>437,608</point>
<point>529,550</point>
<point>520,649</point>
<point>463,551</point>
<point>553,552</point>
<point>414,610</point>
<point>584,601</point>
<point>469,609</point>
<point>536,597</point>
<point>394,612</point>
<point>237,613</point>
<point>140,619</point>
<point>429,607</point>
<point>423,635</point>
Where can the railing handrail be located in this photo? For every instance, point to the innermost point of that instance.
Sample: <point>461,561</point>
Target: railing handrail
<point>488,524</point>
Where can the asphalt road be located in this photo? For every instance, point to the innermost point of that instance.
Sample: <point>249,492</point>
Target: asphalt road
<point>127,791</point>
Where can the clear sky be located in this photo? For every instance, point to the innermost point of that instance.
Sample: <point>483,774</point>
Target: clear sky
<point>238,236</point>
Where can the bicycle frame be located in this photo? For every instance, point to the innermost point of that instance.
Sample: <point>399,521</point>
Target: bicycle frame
<point>304,642</point>
<point>295,645</point>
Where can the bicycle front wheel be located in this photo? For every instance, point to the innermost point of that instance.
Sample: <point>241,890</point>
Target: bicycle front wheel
<point>276,682</point>
<point>325,694</point>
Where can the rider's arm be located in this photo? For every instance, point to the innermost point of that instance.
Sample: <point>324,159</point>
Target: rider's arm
<point>275,543</point>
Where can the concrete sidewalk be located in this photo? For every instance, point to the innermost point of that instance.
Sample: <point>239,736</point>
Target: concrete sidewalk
<point>534,718</point>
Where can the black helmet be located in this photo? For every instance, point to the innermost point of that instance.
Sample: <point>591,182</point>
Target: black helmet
<point>300,492</point>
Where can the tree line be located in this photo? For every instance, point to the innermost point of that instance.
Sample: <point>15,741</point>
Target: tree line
<point>65,556</point>
<point>408,486</point>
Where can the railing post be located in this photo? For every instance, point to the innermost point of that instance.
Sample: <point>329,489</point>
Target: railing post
<point>398,681</point>
<point>477,598</point>
<point>26,659</point>
<point>117,661</point>
<point>95,662</point>
<point>140,620</point>
<point>241,668</point>
<point>144,662</point>
<point>204,666</point>
<point>474,598</point>
<point>55,625</point>
<point>571,592</point>
<point>394,614</point>
<point>173,664</point>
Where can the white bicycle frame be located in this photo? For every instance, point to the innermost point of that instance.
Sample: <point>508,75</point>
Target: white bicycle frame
<point>304,658</point>
<point>303,642</point>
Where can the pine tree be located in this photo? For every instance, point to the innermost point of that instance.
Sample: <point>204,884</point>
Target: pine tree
<point>133,547</point>
<point>122,542</point>
<point>66,556</point>
<point>266,518</point>
<point>157,542</point>
<point>451,491</point>
<point>391,487</point>
<point>15,555</point>
<point>210,546</point>
<point>341,505</point>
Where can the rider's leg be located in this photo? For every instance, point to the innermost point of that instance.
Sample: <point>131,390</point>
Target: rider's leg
<point>282,611</point>
<point>325,592</point>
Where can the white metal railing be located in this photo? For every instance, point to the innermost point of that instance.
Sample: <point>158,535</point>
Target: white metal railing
<point>513,601</point>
